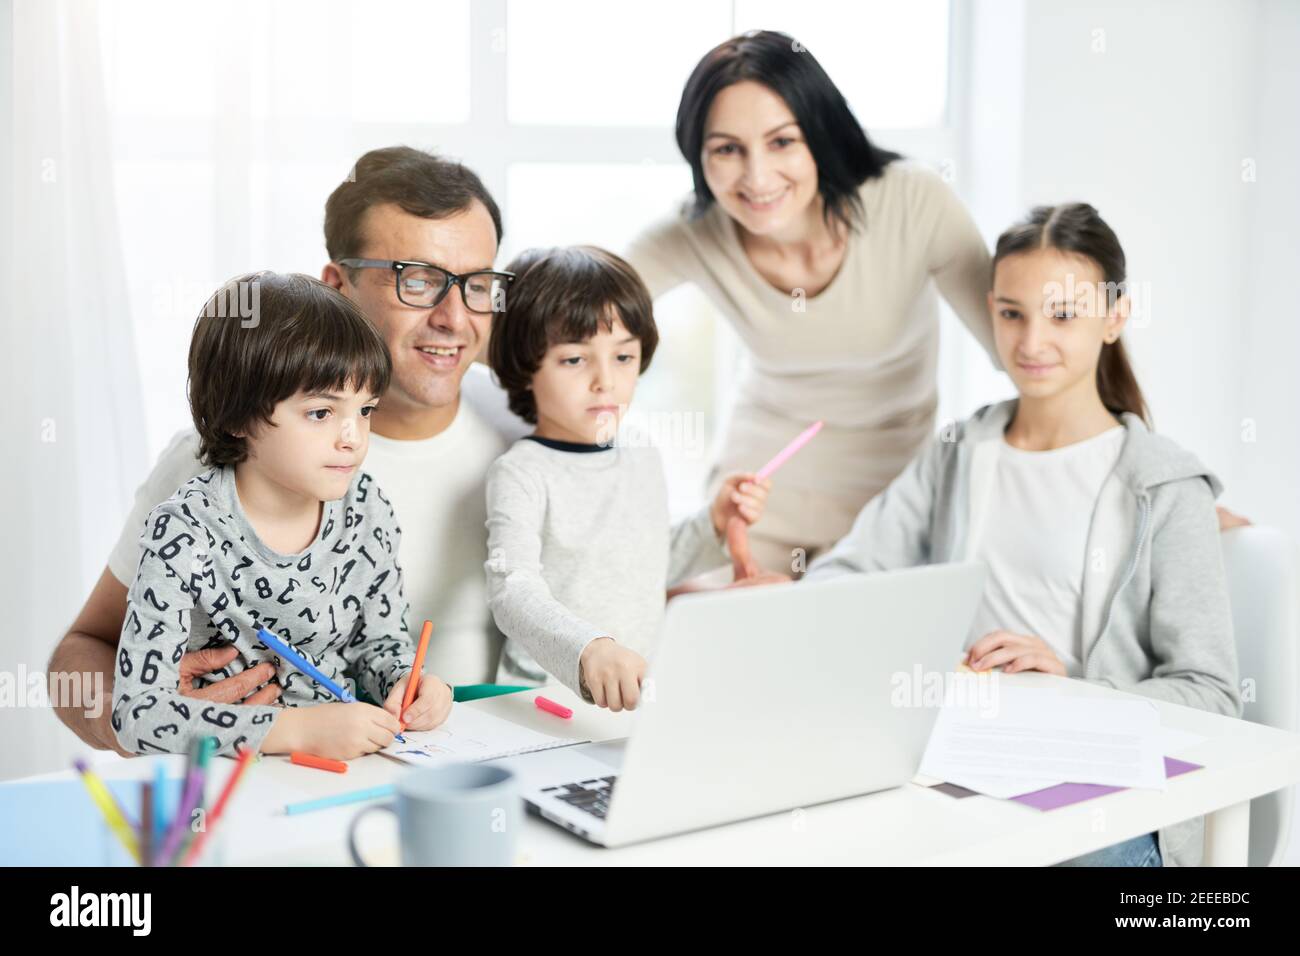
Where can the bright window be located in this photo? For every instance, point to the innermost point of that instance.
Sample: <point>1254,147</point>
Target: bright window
<point>233,122</point>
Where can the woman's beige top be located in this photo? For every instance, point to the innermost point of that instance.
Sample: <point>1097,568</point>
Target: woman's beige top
<point>861,355</point>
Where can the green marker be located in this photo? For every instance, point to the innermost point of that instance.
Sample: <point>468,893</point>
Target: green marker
<point>466,692</point>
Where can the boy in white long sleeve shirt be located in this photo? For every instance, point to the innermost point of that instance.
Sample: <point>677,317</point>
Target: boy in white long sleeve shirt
<point>580,549</point>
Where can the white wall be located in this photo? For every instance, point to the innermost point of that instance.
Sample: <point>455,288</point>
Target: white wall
<point>1267,472</point>
<point>1157,113</point>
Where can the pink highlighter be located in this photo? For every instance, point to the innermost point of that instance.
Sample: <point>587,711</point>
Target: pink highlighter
<point>551,707</point>
<point>786,453</point>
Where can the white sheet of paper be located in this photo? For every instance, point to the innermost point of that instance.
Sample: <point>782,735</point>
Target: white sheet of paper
<point>469,735</point>
<point>1037,738</point>
<point>1172,743</point>
<point>1003,788</point>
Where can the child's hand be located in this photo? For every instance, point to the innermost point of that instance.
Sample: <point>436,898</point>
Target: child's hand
<point>612,673</point>
<point>746,572</point>
<point>430,708</point>
<point>336,731</point>
<point>1013,652</point>
<point>742,495</point>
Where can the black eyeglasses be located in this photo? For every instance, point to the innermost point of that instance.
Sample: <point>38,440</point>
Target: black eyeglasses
<point>423,285</point>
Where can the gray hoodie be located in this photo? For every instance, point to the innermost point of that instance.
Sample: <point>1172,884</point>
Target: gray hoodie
<point>1155,616</point>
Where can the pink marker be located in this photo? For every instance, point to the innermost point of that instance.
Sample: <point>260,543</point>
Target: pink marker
<point>551,707</point>
<point>786,453</point>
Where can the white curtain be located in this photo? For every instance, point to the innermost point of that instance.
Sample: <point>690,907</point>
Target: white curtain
<point>73,405</point>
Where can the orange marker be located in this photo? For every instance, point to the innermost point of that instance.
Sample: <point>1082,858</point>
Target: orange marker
<point>320,763</point>
<point>417,671</point>
<point>196,847</point>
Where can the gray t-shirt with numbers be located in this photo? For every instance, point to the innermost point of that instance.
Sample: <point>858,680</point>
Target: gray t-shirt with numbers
<point>205,579</point>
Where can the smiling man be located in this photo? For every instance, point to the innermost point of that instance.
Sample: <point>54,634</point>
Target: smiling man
<point>411,239</point>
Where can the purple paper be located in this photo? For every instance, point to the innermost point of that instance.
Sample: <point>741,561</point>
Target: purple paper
<point>1064,794</point>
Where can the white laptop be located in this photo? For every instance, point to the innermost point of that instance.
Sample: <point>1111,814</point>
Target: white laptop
<point>760,700</point>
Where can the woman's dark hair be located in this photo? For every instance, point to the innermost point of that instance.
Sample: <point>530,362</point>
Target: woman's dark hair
<point>844,156</point>
<point>564,295</point>
<point>421,183</point>
<point>262,338</point>
<point>1076,228</point>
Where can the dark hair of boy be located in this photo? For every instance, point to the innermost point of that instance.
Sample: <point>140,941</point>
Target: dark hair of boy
<point>562,295</point>
<point>263,337</point>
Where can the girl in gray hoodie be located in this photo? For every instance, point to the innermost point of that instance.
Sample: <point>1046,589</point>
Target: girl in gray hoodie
<point>1100,536</point>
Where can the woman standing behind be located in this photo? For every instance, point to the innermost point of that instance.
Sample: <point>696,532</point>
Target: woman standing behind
<point>824,253</point>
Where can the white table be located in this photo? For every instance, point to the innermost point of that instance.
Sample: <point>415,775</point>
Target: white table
<point>909,825</point>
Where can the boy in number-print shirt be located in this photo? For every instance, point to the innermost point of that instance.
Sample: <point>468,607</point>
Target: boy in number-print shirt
<point>284,532</point>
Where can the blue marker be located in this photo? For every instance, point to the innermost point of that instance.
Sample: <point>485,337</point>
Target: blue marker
<point>304,665</point>
<point>159,803</point>
<point>339,799</point>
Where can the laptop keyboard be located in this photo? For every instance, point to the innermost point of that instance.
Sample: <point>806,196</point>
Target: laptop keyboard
<point>591,796</point>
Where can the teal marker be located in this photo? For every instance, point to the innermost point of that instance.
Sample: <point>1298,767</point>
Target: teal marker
<point>159,803</point>
<point>466,692</point>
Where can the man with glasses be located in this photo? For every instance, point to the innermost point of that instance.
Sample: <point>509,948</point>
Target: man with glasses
<point>400,233</point>
<point>423,285</point>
